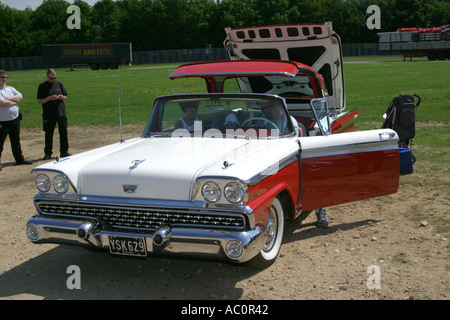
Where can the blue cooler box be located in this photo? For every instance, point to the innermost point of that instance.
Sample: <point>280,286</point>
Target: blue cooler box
<point>406,161</point>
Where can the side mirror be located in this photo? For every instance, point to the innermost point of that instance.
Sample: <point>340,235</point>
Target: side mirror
<point>332,113</point>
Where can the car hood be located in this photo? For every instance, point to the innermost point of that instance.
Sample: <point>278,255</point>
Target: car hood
<point>166,168</point>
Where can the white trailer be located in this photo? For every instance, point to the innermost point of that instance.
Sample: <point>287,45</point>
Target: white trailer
<point>433,43</point>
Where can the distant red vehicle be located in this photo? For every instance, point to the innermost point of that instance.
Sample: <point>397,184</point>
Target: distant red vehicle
<point>434,43</point>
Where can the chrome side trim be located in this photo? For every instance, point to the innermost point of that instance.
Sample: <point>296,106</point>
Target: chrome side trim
<point>349,148</point>
<point>274,168</point>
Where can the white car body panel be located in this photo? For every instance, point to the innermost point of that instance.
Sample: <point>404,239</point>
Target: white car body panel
<point>168,166</point>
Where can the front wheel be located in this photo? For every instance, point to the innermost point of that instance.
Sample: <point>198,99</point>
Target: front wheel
<point>274,237</point>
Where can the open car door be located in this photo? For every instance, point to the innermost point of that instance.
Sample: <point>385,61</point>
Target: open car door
<point>352,166</point>
<point>348,167</point>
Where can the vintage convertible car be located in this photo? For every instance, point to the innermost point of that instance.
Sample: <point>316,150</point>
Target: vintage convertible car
<point>217,174</point>
<point>213,175</point>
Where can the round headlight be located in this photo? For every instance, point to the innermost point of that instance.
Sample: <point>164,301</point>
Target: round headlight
<point>211,191</point>
<point>60,184</point>
<point>234,249</point>
<point>234,192</point>
<point>42,182</point>
<point>33,232</point>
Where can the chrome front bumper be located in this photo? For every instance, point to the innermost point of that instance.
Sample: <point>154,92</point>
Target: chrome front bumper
<point>235,246</point>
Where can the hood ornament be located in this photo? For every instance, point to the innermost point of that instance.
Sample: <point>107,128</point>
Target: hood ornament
<point>135,164</point>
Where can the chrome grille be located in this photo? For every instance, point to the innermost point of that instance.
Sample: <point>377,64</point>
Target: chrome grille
<point>144,218</point>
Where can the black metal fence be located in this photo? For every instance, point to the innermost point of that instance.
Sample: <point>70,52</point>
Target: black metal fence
<point>177,56</point>
<point>180,55</point>
<point>362,49</point>
<point>21,63</point>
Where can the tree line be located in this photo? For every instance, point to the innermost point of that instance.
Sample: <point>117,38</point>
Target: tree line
<point>184,24</point>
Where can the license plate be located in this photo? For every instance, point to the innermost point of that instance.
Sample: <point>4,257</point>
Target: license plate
<point>127,246</point>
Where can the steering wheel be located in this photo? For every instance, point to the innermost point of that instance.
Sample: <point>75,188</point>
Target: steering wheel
<point>266,122</point>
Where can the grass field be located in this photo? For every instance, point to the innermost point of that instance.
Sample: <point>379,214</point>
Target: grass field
<point>93,100</point>
<point>93,95</point>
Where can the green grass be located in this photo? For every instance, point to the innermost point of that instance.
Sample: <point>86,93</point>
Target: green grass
<point>371,87</point>
<point>93,95</point>
<point>93,100</point>
<point>400,257</point>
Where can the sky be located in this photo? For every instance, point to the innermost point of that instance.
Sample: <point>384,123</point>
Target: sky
<point>22,4</point>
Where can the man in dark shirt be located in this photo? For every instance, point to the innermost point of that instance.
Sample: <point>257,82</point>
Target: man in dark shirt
<point>52,94</point>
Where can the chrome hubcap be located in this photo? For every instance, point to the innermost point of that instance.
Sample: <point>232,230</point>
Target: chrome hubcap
<point>272,228</point>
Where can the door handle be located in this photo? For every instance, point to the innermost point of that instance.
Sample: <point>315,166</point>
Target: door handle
<point>387,135</point>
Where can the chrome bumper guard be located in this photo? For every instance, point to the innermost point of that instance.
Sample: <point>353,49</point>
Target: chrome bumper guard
<point>233,245</point>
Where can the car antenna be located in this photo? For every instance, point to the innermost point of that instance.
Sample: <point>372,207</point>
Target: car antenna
<point>120,111</point>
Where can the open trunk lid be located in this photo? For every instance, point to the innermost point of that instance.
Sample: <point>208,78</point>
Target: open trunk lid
<point>315,45</point>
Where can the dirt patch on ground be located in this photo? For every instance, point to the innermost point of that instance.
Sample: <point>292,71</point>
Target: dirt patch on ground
<point>401,240</point>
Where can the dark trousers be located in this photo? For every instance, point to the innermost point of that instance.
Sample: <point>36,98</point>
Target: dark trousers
<point>49,128</point>
<point>11,128</point>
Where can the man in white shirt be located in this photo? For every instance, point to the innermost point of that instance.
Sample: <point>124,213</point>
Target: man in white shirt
<point>9,119</point>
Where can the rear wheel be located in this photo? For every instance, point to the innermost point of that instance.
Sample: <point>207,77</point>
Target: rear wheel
<point>274,237</point>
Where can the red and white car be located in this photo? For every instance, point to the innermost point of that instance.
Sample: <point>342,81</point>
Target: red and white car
<point>215,174</point>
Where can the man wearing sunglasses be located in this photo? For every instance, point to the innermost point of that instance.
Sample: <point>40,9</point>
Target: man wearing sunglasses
<point>52,94</point>
<point>9,119</point>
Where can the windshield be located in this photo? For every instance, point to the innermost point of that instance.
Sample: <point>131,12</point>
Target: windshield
<point>220,114</point>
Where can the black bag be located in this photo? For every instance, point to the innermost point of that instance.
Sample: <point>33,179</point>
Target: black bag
<point>401,117</point>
